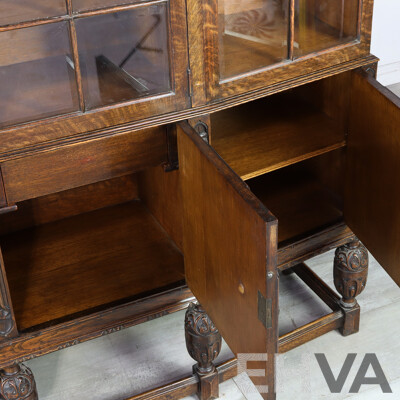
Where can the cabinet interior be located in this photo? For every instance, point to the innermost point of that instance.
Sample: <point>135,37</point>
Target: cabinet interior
<point>290,148</point>
<point>100,244</point>
<point>119,240</point>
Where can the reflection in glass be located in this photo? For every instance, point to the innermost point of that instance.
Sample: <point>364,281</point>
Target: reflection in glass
<point>124,55</point>
<point>252,34</point>
<point>37,77</point>
<point>14,11</point>
<point>320,24</point>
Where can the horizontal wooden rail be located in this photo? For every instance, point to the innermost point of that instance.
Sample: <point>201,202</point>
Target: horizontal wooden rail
<point>310,331</point>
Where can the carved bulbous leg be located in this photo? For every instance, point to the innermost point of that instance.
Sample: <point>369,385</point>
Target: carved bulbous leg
<point>203,342</point>
<point>17,383</point>
<point>350,272</point>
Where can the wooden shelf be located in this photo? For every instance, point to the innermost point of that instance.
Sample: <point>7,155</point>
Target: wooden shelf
<point>271,133</point>
<point>80,264</point>
<point>302,205</point>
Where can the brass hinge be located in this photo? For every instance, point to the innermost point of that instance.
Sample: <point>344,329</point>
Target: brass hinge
<point>265,310</point>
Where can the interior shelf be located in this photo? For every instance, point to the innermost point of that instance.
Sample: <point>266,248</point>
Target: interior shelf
<point>301,203</point>
<point>86,262</point>
<point>271,133</point>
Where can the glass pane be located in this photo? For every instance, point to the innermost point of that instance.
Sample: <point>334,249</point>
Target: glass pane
<point>14,11</point>
<point>37,77</point>
<point>124,55</point>
<point>252,34</point>
<point>320,24</point>
<point>84,5</point>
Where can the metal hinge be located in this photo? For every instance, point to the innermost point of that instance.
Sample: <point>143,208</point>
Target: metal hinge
<point>202,130</point>
<point>264,310</point>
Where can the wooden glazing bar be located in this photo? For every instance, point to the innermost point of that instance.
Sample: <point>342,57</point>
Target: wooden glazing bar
<point>83,14</point>
<point>291,29</point>
<point>115,9</point>
<point>29,24</point>
<point>75,55</point>
<point>69,7</point>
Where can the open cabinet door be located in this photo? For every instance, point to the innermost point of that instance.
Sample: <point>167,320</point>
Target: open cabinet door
<point>230,248</point>
<point>372,194</point>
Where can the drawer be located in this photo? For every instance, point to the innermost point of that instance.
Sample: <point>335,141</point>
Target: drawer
<point>83,163</point>
<point>320,162</point>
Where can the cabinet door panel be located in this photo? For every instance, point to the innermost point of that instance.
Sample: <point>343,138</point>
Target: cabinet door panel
<point>230,242</point>
<point>372,193</point>
<point>249,45</point>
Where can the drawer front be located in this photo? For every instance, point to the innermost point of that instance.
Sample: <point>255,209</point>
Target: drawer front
<point>83,163</point>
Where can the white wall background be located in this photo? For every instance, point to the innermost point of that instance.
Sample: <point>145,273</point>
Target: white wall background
<point>386,40</point>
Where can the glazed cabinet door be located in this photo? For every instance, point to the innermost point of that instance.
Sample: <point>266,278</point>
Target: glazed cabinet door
<point>245,40</point>
<point>92,55</point>
<point>230,247</point>
<point>372,194</point>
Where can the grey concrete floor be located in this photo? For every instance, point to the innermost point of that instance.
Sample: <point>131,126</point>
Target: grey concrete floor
<point>395,88</point>
<point>134,360</point>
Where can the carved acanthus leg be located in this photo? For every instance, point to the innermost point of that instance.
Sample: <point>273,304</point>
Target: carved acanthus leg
<point>203,342</point>
<point>17,383</point>
<point>350,273</point>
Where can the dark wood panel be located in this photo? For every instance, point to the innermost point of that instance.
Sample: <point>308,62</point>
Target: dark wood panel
<point>161,193</point>
<point>269,134</point>
<point>8,327</point>
<point>372,186</point>
<point>79,263</point>
<point>83,163</point>
<point>71,202</point>
<point>330,95</point>
<point>301,203</point>
<point>230,242</point>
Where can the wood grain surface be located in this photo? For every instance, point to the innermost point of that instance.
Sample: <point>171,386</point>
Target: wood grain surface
<point>372,185</point>
<point>62,268</point>
<point>230,242</point>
